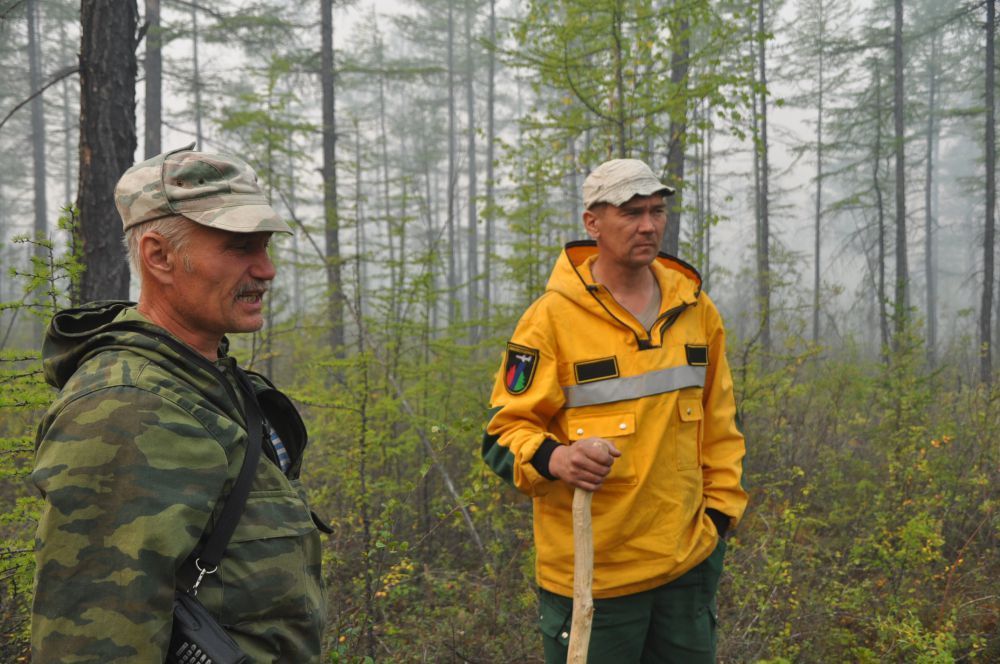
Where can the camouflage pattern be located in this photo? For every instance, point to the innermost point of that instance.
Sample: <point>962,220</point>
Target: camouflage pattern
<point>215,190</point>
<point>131,459</point>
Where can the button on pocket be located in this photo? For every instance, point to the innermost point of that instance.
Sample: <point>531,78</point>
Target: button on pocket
<point>620,429</point>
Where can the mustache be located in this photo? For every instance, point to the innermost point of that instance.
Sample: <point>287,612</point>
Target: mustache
<point>252,286</point>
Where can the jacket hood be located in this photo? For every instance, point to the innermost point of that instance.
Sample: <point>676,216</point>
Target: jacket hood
<point>77,334</point>
<point>679,282</point>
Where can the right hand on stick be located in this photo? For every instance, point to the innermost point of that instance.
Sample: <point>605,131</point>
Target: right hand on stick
<point>585,463</point>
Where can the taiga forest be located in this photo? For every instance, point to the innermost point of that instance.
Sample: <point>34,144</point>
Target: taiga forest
<point>835,162</point>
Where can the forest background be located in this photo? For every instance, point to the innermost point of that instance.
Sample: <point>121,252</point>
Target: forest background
<point>836,167</point>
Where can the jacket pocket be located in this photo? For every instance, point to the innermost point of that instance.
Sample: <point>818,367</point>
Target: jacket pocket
<point>555,616</point>
<point>687,440</point>
<point>619,428</point>
<point>269,565</point>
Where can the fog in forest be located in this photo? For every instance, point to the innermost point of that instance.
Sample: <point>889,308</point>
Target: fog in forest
<point>833,160</point>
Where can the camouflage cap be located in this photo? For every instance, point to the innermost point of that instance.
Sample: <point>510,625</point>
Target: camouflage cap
<point>214,190</point>
<point>618,180</point>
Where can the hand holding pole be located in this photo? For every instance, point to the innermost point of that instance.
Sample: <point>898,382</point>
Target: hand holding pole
<point>583,575</point>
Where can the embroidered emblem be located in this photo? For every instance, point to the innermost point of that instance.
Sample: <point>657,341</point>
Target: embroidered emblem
<point>697,356</point>
<point>591,370</point>
<point>519,367</point>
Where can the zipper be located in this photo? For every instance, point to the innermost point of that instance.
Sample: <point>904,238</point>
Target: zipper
<point>669,317</point>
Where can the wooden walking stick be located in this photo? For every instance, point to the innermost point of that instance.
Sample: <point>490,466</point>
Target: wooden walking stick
<point>583,576</point>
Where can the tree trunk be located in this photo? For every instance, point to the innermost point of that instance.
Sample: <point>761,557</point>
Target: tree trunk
<point>68,156</point>
<point>107,140</point>
<point>490,132</point>
<point>902,304</point>
<point>764,233</point>
<point>818,216</point>
<point>707,275</point>
<point>360,237</point>
<point>472,247</point>
<point>37,143</point>
<point>617,20</point>
<point>154,79</point>
<point>880,211</point>
<point>679,60</point>
<point>395,282</point>
<point>573,194</point>
<point>331,226</point>
<point>293,204</point>
<point>452,174</point>
<point>700,222</point>
<point>196,73</point>
<point>930,201</point>
<point>37,124</point>
<point>985,327</point>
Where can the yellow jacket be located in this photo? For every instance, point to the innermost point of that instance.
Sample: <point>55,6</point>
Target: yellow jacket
<point>580,365</point>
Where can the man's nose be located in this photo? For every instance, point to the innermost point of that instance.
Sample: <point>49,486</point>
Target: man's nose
<point>647,222</point>
<point>263,266</point>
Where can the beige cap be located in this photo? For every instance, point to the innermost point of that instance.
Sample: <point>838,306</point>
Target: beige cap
<point>618,180</point>
<point>214,190</point>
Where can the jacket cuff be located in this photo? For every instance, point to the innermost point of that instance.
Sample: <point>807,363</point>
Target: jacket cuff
<point>540,461</point>
<point>720,520</point>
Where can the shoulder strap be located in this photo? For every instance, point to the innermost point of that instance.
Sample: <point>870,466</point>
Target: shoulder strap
<point>218,540</point>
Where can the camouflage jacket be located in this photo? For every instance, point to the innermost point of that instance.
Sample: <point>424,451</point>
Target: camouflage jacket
<point>144,438</point>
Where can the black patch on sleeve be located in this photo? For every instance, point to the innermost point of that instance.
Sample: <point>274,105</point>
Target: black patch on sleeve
<point>588,372</point>
<point>541,459</point>
<point>697,356</point>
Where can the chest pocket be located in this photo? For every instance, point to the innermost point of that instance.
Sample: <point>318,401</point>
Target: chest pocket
<point>269,567</point>
<point>619,429</point>
<point>687,442</point>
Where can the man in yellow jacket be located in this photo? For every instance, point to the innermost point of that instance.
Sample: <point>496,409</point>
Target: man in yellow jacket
<point>616,381</point>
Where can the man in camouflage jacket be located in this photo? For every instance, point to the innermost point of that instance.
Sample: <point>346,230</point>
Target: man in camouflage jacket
<point>148,432</point>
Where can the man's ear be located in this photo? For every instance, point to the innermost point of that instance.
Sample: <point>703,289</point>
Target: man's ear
<point>158,257</point>
<point>590,224</point>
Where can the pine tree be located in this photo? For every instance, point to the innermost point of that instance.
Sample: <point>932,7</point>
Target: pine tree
<point>107,140</point>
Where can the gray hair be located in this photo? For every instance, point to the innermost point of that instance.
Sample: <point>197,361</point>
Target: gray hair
<point>175,229</point>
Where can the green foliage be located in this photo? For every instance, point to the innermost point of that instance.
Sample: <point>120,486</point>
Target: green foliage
<point>607,65</point>
<point>871,534</point>
<point>23,397</point>
<point>870,537</point>
<point>873,503</point>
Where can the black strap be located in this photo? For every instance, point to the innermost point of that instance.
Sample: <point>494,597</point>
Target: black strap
<point>218,540</point>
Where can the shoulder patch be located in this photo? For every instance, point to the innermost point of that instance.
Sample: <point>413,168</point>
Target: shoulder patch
<point>697,356</point>
<point>519,367</point>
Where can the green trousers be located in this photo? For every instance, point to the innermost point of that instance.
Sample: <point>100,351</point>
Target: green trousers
<point>674,623</point>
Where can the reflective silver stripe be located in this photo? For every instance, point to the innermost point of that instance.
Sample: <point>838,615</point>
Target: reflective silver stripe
<point>634,387</point>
